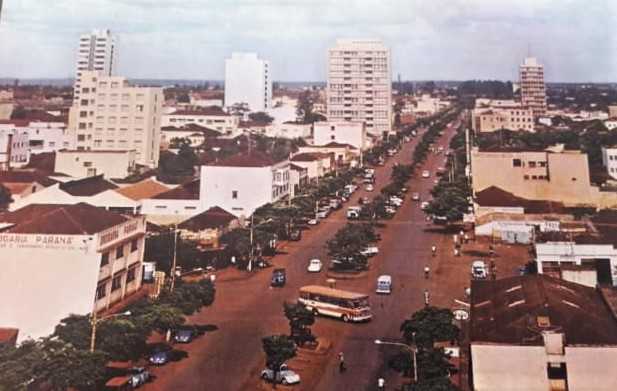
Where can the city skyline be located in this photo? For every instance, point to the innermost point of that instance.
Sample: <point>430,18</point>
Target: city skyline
<point>440,40</point>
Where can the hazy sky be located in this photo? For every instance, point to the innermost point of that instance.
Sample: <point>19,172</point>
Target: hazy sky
<point>576,40</point>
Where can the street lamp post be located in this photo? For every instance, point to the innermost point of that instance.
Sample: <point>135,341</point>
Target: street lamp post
<point>412,349</point>
<point>96,320</point>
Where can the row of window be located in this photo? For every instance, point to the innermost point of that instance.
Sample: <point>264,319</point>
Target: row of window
<point>116,282</point>
<point>535,177</point>
<point>119,252</point>
<point>530,163</point>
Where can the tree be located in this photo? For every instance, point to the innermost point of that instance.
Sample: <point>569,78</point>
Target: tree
<point>278,349</point>
<point>260,116</point>
<point>397,110</point>
<point>5,198</point>
<point>347,245</point>
<point>304,108</point>
<point>450,199</point>
<point>300,320</point>
<point>428,325</point>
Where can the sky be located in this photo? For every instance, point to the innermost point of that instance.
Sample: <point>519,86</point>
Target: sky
<point>575,40</point>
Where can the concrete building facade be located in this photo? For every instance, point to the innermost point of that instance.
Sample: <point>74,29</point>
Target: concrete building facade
<point>14,151</point>
<point>533,88</point>
<point>536,175</point>
<point>344,132</point>
<point>216,120</point>
<point>82,164</point>
<point>242,183</point>
<point>112,115</point>
<point>492,115</point>
<point>76,258</point>
<point>359,84</point>
<point>96,52</point>
<point>42,136</point>
<point>248,79</point>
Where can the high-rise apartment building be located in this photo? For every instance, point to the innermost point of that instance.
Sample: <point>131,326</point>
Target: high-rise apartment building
<point>96,52</point>
<point>248,79</point>
<point>533,89</point>
<point>359,83</point>
<point>111,115</point>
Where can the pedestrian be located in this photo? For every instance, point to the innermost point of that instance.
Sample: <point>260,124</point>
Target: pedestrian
<point>434,250</point>
<point>341,362</point>
<point>381,384</point>
<point>426,271</point>
<point>466,238</point>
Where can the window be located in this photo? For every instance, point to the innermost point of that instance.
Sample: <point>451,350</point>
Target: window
<point>101,291</point>
<point>81,137</point>
<point>134,245</point>
<point>526,177</point>
<point>130,275</point>
<point>516,163</point>
<point>557,374</point>
<point>531,164</point>
<point>104,259</point>
<point>234,195</point>
<point>120,252</point>
<point>116,283</point>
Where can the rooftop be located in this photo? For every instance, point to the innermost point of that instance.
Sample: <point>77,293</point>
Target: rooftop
<point>212,218</point>
<point>87,187</point>
<point>204,112</point>
<point>253,159</point>
<point>497,197</point>
<point>26,176</point>
<point>187,191</point>
<point>142,190</point>
<point>78,219</point>
<point>517,310</point>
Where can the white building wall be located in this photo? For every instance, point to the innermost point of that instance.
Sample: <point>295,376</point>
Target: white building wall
<point>572,253</point>
<point>96,52</point>
<point>516,368</point>
<point>352,133</point>
<point>82,164</point>
<point>248,80</point>
<point>14,149</point>
<point>289,131</point>
<point>241,190</point>
<point>224,123</point>
<point>60,276</point>
<point>111,115</point>
<point>359,85</point>
<point>170,211</point>
<point>609,159</point>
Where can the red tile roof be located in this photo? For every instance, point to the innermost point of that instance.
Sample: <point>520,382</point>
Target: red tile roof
<point>78,219</point>
<point>254,159</point>
<point>309,157</point>
<point>8,335</point>
<point>212,218</point>
<point>26,176</point>
<point>187,191</point>
<point>142,190</point>
<point>496,197</point>
<point>88,186</point>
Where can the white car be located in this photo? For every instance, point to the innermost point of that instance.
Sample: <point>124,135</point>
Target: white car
<point>425,174</point>
<point>415,196</point>
<point>314,266</point>
<point>424,205</point>
<point>370,251</point>
<point>369,187</point>
<point>284,376</point>
<point>478,269</point>
<point>314,221</point>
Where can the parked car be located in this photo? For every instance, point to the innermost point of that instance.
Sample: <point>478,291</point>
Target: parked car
<point>369,187</point>
<point>322,213</point>
<point>425,174</point>
<point>315,266</point>
<point>185,335</point>
<point>138,375</point>
<point>424,205</point>
<point>278,277</point>
<point>160,354</point>
<point>370,251</point>
<point>295,234</point>
<point>415,196</point>
<point>478,269</point>
<point>284,375</point>
<point>314,221</point>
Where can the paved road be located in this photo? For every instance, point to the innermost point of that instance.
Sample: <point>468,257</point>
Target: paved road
<point>231,357</point>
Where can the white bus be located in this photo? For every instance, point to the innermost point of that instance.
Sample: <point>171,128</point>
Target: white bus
<point>345,305</point>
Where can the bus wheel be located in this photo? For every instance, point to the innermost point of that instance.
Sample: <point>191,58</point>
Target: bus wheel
<point>315,312</point>
<point>345,318</point>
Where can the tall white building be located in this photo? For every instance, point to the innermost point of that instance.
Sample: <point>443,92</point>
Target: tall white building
<point>248,80</point>
<point>111,115</point>
<point>533,89</point>
<point>359,83</point>
<point>96,52</point>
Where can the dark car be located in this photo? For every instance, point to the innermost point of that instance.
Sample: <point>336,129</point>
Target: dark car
<point>278,278</point>
<point>295,234</point>
<point>159,354</point>
<point>185,335</point>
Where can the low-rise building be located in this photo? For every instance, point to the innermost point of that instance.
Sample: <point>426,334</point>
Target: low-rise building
<point>344,154</point>
<point>82,164</point>
<point>554,174</point>
<point>206,228</point>
<point>317,164</point>
<point>288,130</point>
<point>220,121</point>
<point>490,115</point>
<point>14,149</point>
<point>242,183</point>
<point>538,333</point>
<point>609,160</point>
<point>343,132</point>
<point>42,136</point>
<point>175,205</point>
<point>24,182</point>
<point>72,259</point>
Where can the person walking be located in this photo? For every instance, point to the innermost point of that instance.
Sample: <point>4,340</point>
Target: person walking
<point>434,250</point>
<point>341,362</point>
<point>426,271</point>
<point>381,384</point>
